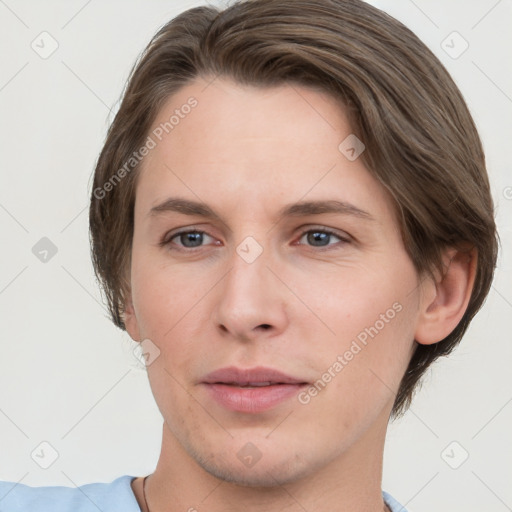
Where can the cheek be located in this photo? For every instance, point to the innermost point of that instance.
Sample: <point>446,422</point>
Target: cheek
<point>163,295</point>
<point>371,315</point>
<point>355,299</point>
<point>360,371</point>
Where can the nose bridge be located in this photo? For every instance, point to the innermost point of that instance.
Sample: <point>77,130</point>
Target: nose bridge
<point>250,297</point>
<point>248,273</point>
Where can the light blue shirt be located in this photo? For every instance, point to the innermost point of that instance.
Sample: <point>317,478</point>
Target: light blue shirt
<point>116,496</point>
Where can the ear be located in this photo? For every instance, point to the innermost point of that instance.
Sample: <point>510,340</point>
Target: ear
<point>130,319</point>
<point>444,302</point>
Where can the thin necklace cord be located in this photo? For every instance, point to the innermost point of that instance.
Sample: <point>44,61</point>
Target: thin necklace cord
<point>147,506</point>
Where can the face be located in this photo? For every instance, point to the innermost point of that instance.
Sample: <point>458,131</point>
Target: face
<point>323,292</point>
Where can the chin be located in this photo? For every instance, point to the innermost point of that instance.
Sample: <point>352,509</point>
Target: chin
<point>265,476</point>
<point>271,470</point>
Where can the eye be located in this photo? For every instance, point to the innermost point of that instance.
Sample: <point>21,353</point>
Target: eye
<point>186,239</point>
<point>321,237</point>
<point>194,239</point>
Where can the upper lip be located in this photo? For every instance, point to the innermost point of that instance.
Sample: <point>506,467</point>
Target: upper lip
<point>241,376</point>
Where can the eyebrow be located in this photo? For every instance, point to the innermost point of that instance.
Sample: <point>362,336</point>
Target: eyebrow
<point>301,208</point>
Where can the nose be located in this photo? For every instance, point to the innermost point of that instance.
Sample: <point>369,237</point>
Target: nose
<point>250,301</point>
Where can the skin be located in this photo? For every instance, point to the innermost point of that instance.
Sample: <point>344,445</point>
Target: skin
<point>246,152</point>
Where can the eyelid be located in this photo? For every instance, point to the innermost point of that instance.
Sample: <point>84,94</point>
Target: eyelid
<point>344,238</point>
<point>343,235</point>
<point>166,239</point>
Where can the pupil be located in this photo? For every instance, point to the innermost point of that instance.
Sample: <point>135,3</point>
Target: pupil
<point>318,237</point>
<point>191,237</point>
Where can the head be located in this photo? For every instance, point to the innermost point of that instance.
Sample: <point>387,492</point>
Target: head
<point>246,111</point>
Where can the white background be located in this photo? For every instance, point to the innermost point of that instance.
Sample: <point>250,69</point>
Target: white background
<point>68,376</point>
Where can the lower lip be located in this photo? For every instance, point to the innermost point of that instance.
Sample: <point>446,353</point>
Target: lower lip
<point>252,400</point>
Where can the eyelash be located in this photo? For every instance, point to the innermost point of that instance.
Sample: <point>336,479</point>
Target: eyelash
<point>166,242</point>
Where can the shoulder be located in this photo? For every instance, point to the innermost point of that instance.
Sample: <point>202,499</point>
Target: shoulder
<point>107,497</point>
<point>393,505</point>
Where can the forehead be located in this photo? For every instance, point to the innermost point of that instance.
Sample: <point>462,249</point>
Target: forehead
<point>254,146</point>
<point>254,117</point>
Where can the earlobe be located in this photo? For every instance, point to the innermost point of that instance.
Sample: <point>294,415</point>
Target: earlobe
<point>442,311</point>
<point>130,319</point>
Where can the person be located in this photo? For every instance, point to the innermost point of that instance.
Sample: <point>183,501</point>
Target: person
<point>292,215</point>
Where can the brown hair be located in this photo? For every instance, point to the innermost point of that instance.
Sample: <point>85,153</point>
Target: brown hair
<point>421,142</point>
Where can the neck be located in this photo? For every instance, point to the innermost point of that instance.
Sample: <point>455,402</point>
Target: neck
<point>350,481</point>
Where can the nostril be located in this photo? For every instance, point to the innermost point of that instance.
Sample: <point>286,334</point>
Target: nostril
<point>265,326</point>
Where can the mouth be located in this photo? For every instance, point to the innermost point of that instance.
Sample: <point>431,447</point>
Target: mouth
<point>253,385</point>
<point>251,390</point>
<point>251,377</point>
